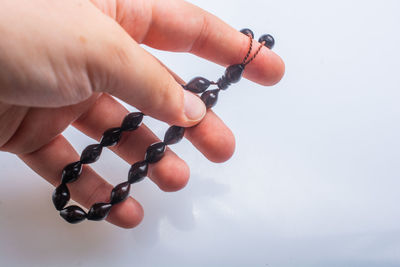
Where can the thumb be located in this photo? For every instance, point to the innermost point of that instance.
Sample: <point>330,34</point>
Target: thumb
<point>136,77</point>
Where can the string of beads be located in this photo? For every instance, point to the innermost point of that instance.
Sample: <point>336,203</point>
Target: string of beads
<point>154,153</point>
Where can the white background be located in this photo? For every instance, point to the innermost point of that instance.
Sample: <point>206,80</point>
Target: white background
<point>315,178</point>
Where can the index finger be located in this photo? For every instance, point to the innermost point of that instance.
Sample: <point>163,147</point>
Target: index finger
<point>180,26</point>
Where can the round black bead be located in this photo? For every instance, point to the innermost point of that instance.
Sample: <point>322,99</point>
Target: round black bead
<point>73,214</point>
<point>268,39</point>
<point>111,137</point>
<point>155,152</point>
<point>138,172</point>
<point>71,172</point>
<point>174,134</point>
<point>120,192</point>
<point>91,153</point>
<point>210,98</point>
<point>132,121</point>
<point>222,83</point>
<point>247,32</point>
<point>60,196</point>
<point>197,85</point>
<point>99,211</point>
<point>233,73</point>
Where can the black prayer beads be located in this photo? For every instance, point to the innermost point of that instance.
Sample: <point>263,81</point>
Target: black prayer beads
<point>154,153</point>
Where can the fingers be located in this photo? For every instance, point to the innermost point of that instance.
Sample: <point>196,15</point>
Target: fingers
<point>134,76</point>
<point>197,31</point>
<point>212,138</point>
<point>48,162</point>
<point>170,174</point>
<point>39,125</point>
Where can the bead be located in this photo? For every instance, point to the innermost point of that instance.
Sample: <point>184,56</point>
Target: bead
<point>138,171</point>
<point>60,196</point>
<point>99,211</point>
<point>222,83</point>
<point>132,121</point>
<point>268,39</point>
<point>91,153</point>
<point>233,73</point>
<point>197,85</point>
<point>71,172</point>
<point>73,214</point>
<point>120,192</point>
<point>247,32</point>
<point>111,137</point>
<point>173,135</point>
<point>210,98</point>
<point>155,152</point>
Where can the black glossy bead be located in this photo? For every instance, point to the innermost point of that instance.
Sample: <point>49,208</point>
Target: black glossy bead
<point>60,196</point>
<point>222,83</point>
<point>268,39</point>
<point>132,121</point>
<point>155,152</point>
<point>71,172</point>
<point>247,32</point>
<point>210,98</point>
<point>173,135</point>
<point>233,73</point>
<point>91,153</point>
<point>73,214</point>
<point>120,193</point>
<point>99,211</point>
<point>138,172</point>
<point>111,137</point>
<point>197,85</point>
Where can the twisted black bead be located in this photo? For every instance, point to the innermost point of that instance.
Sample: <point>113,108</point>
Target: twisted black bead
<point>99,211</point>
<point>197,85</point>
<point>61,196</point>
<point>138,172</point>
<point>120,193</point>
<point>173,135</point>
<point>154,153</point>
<point>73,214</point>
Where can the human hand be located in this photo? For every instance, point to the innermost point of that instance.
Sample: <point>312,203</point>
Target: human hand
<point>61,60</point>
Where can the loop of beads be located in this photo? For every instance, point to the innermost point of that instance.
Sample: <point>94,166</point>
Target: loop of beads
<point>154,153</point>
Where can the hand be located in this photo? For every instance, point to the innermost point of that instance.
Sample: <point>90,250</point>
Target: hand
<point>61,60</point>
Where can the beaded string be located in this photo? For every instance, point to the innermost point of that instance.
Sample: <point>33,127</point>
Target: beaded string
<point>154,153</point>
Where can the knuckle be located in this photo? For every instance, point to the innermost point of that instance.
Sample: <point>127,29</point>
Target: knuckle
<point>100,193</point>
<point>166,101</point>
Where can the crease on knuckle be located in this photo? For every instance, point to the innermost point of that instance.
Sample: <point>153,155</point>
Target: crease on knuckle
<point>202,37</point>
<point>100,193</point>
<point>167,102</point>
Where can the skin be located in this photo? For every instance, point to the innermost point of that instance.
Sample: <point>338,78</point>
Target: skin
<point>63,62</point>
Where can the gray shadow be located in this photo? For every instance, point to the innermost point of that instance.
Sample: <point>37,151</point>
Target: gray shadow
<point>176,208</point>
<point>36,231</point>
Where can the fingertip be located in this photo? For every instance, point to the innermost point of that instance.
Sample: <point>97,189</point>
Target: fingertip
<point>194,109</point>
<point>277,71</point>
<point>127,214</point>
<point>171,173</point>
<point>267,69</point>
<point>226,149</point>
<point>218,144</point>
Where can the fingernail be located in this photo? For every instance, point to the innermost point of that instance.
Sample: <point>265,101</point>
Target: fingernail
<point>194,107</point>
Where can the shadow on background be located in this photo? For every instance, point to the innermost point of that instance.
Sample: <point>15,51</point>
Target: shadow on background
<point>36,234</point>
